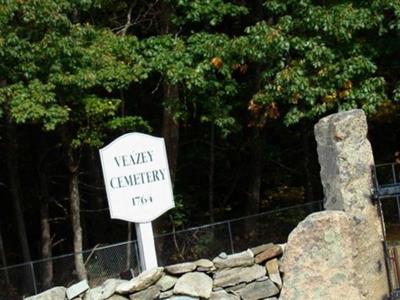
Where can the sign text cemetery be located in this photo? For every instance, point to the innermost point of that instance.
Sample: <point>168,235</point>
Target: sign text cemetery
<point>138,183</point>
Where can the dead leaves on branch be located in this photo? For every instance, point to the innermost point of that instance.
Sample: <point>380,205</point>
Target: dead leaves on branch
<point>217,62</point>
<point>261,113</point>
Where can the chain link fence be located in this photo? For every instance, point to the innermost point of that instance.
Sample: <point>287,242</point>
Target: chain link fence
<point>206,241</point>
<point>101,263</point>
<point>111,261</point>
<point>389,174</point>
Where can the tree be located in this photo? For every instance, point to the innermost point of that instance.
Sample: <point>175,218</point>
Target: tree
<point>63,79</point>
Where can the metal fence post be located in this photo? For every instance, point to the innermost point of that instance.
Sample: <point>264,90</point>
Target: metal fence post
<point>230,236</point>
<point>137,256</point>
<point>33,277</point>
<point>397,197</point>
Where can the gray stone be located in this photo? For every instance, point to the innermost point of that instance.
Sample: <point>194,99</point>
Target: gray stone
<point>141,282</point>
<point>273,272</point>
<point>259,290</point>
<point>346,160</point>
<point>262,278</point>
<point>242,259</point>
<point>148,294</point>
<point>236,287</point>
<point>204,265</point>
<point>117,297</point>
<point>56,293</point>
<point>109,286</point>
<point>207,270</point>
<point>183,298</point>
<point>318,260</point>
<point>269,253</point>
<point>261,248</point>
<point>230,277</point>
<point>94,294</point>
<point>166,294</point>
<point>223,255</point>
<point>194,284</point>
<point>222,295</point>
<point>181,268</point>
<point>166,282</point>
<point>75,290</point>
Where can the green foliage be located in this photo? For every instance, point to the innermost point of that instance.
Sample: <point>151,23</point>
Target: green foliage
<point>313,59</point>
<point>34,102</point>
<point>57,72</point>
<point>179,215</point>
<point>209,11</point>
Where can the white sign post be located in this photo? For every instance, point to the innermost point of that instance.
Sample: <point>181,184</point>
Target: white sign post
<point>138,186</point>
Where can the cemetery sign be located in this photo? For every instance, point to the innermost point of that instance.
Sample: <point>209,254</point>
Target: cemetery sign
<point>136,177</point>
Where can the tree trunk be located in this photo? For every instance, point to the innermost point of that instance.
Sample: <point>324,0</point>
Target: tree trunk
<point>15,186</point>
<point>256,166</point>
<point>211,174</point>
<point>171,128</point>
<point>97,180</point>
<point>129,247</point>
<point>256,152</point>
<point>308,186</point>
<point>75,217</point>
<point>46,240</point>
<point>47,266</point>
<point>171,98</point>
<point>3,259</point>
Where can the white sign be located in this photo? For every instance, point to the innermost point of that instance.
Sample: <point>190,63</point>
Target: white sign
<point>136,177</point>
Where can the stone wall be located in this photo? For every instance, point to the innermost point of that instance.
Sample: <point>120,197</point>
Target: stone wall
<point>248,275</point>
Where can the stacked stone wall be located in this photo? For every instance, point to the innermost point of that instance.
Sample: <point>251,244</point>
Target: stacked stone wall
<point>248,275</point>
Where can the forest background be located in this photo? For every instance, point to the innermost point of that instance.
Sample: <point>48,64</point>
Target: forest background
<point>233,87</point>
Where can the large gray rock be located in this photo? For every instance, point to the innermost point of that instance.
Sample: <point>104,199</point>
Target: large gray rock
<point>56,293</point>
<point>181,268</point>
<point>318,260</point>
<point>346,161</point>
<point>258,290</point>
<point>194,284</point>
<point>148,294</point>
<point>144,280</point>
<point>230,277</point>
<point>242,259</point>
